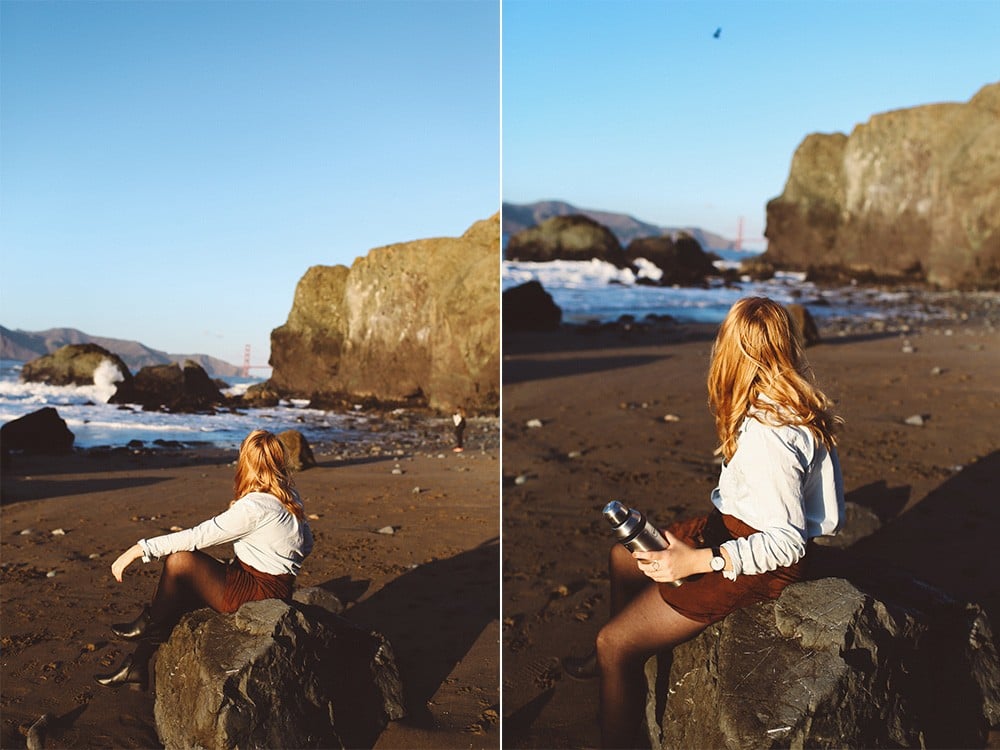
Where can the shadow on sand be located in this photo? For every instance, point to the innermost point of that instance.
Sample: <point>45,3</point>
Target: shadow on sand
<point>432,616</point>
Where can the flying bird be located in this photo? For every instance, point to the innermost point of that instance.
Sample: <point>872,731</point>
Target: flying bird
<point>718,33</point>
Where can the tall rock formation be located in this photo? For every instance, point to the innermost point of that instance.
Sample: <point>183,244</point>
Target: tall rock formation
<point>913,193</point>
<point>415,320</point>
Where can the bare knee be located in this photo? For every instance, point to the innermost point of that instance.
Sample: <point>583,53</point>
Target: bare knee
<point>612,649</point>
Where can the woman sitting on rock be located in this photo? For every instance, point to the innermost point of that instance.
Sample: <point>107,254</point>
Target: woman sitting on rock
<point>779,487</point>
<point>270,536</point>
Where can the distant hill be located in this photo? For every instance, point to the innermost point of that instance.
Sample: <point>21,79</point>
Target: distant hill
<point>27,345</point>
<point>518,217</point>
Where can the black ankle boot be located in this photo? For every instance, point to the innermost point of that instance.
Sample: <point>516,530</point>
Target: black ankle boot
<point>130,672</point>
<point>140,627</point>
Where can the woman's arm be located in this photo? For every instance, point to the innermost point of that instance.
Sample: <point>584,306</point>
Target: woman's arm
<point>230,525</point>
<point>126,558</point>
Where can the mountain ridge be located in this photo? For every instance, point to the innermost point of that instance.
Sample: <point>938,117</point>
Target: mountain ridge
<point>27,345</point>
<point>520,216</point>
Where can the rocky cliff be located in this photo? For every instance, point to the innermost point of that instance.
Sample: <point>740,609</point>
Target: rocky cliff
<point>913,193</point>
<point>412,321</point>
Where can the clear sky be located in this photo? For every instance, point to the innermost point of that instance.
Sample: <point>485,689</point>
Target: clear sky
<point>169,170</point>
<point>636,107</point>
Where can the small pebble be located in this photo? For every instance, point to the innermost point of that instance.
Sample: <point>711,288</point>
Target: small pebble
<point>50,574</point>
<point>386,530</point>
<point>25,532</point>
<point>313,516</point>
<point>417,490</point>
<point>671,418</point>
<point>93,555</point>
<point>574,454</point>
<point>533,423</point>
<point>917,420</point>
<point>397,471</point>
<point>520,479</point>
<point>937,370</point>
<point>177,528</point>
<point>58,532</point>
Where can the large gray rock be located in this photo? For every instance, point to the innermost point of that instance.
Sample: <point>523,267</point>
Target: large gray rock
<point>412,322</point>
<point>40,432</point>
<point>172,388</point>
<point>683,261</point>
<point>829,666</point>
<point>76,364</point>
<point>913,193</point>
<point>573,237</point>
<point>528,307</point>
<point>275,675</point>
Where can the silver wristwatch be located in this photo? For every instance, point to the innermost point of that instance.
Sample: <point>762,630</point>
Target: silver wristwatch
<point>718,562</point>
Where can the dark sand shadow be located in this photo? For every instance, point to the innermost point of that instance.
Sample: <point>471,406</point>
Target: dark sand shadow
<point>524,370</point>
<point>884,501</point>
<point>432,616</point>
<point>946,540</point>
<point>14,490</point>
<point>519,721</point>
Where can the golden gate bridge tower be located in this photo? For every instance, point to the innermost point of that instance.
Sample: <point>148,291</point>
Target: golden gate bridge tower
<point>247,367</point>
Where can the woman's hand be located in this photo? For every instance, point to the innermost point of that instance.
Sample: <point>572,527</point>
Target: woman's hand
<point>679,560</point>
<point>126,558</point>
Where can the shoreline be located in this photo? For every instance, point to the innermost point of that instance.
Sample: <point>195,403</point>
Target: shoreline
<point>55,631</point>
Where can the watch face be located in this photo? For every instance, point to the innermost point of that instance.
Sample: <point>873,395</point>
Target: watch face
<point>718,563</point>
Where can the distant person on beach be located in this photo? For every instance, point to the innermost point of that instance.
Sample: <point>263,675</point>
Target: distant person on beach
<point>780,486</point>
<point>266,524</point>
<point>458,419</point>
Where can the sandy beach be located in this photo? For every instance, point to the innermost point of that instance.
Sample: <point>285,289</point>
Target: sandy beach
<point>590,416</point>
<point>430,587</point>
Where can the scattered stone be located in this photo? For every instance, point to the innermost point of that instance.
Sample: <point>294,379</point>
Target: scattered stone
<point>520,479</point>
<point>50,574</point>
<point>937,371</point>
<point>671,418</point>
<point>574,454</point>
<point>908,348</point>
<point>313,516</point>
<point>417,490</point>
<point>916,420</point>
<point>93,556</point>
<point>386,530</point>
<point>397,471</point>
<point>177,528</point>
<point>26,532</point>
<point>58,532</point>
<point>533,424</point>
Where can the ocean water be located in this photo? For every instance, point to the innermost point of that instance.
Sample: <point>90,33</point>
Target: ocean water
<point>596,290</point>
<point>96,423</point>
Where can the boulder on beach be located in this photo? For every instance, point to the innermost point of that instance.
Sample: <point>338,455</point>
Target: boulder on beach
<point>683,261</point>
<point>805,326</point>
<point>298,454</point>
<point>910,194</point>
<point>573,237</point>
<point>528,307</point>
<point>829,665</point>
<point>416,322</point>
<point>173,388</point>
<point>79,364</point>
<point>275,674</point>
<point>40,432</point>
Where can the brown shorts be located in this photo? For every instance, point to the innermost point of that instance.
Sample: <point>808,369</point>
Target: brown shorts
<point>247,584</point>
<point>709,597</point>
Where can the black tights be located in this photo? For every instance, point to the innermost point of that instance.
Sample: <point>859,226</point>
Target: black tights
<point>641,625</point>
<point>189,580</point>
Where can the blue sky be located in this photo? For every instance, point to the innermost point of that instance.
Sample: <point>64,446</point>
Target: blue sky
<point>169,170</point>
<point>635,107</point>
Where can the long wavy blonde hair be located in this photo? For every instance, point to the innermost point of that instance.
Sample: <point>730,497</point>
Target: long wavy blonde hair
<point>758,364</point>
<point>261,468</point>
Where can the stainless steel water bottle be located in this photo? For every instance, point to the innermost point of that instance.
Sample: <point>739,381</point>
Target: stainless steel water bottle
<point>633,531</point>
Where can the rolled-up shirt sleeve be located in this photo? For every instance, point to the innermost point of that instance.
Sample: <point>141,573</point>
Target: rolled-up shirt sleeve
<point>233,524</point>
<point>773,472</point>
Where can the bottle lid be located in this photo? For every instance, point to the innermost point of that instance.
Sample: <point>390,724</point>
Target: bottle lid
<point>616,513</point>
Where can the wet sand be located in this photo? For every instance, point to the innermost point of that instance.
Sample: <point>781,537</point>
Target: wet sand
<point>430,587</point>
<point>603,398</point>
